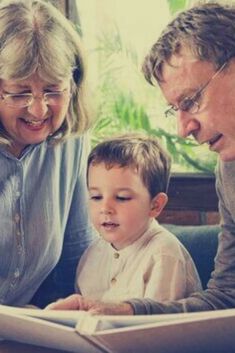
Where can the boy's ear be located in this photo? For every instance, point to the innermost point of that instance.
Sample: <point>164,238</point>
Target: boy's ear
<point>157,204</point>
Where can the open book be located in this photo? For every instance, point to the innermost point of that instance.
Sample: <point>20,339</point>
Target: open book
<point>78,331</point>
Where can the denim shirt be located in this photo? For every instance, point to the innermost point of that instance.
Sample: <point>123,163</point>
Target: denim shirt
<point>44,222</point>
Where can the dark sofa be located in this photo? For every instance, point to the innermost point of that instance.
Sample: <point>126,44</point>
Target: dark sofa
<point>201,242</point>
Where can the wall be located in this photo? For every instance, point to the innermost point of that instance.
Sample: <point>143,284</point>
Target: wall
<point>192,200</point>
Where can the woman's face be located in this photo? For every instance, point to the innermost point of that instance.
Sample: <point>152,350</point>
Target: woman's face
<point>34,123</point>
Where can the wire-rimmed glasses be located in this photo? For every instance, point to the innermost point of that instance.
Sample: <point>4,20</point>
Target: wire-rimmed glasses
<point>191,104</point>
<point>22,100</point>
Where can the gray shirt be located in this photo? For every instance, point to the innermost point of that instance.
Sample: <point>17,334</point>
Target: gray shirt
<point>220,292</point>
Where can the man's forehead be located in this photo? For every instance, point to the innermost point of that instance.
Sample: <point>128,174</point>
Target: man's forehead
<point>182,75</point>
<point>184,55</point>
<point>185,64</point>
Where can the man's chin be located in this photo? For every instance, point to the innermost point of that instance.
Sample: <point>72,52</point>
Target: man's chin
<point>227,156</point>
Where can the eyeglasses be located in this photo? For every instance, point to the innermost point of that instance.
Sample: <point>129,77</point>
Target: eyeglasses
<point>191,104</point>
<point>22,100</point>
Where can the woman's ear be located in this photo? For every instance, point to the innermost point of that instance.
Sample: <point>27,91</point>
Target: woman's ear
<point>157,204</point>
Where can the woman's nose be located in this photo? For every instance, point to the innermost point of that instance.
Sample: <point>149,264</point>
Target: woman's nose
<point>38,107</point>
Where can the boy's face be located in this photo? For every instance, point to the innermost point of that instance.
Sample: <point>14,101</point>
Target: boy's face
<point>120,204</point>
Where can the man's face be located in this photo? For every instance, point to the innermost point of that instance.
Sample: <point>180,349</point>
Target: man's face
<point>214,123</point>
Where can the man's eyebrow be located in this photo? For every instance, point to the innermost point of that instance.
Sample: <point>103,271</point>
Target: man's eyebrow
<point>188,92</point>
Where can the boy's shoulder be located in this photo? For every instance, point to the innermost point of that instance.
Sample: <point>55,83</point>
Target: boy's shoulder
<point>97,246</point>
<point>164,242</point>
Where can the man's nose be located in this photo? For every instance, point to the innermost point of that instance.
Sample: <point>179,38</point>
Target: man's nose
<point>186,124</point>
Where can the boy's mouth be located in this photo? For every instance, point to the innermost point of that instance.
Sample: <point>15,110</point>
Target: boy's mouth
<point>109,225</point>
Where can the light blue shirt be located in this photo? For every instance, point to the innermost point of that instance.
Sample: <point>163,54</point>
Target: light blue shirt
<point>43,220</point>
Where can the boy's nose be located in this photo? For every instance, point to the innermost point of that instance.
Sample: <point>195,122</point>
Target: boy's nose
<point>106,208</point>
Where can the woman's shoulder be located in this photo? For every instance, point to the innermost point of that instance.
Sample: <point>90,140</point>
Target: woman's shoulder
<point>75,143</point>
<point>74,149</point>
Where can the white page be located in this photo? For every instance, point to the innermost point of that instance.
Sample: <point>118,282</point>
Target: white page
<point>92,324</point>
<point>65,317</point>
<point>39,332</point>
<point>85,322</point>
<point>187,332</point>
<point>202,335</point>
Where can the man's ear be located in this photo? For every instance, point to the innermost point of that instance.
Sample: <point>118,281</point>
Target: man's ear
<point>157,204</point>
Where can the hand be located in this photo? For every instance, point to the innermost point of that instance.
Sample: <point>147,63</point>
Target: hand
<point>77,302</point>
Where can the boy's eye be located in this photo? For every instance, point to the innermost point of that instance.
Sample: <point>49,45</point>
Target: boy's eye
<point>95,197</point>
<point>123,198</point>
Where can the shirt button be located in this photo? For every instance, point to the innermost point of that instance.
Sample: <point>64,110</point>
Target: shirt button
<point>113,280</point>
<point>116,255</point>
<point>17,194</point>
<point>17,218</point>
<point>20,250</point>
<point>17,273</point>
<point>18,233</point>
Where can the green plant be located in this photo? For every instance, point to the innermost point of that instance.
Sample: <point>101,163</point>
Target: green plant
<point>176,5</point>
<point>125,102</point>
<point>127,115</point>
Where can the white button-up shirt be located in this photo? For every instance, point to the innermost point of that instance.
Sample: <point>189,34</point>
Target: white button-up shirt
<point>155,266</point>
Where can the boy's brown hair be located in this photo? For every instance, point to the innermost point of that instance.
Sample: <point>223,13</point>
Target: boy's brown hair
<point>139,151</point>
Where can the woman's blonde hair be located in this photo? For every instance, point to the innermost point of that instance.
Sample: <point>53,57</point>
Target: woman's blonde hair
<point>36,37</point>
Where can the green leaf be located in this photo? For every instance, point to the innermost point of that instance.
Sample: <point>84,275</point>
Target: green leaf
<point>176,5</point>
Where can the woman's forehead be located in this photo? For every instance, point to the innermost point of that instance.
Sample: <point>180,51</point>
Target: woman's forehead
<point>36,77</point>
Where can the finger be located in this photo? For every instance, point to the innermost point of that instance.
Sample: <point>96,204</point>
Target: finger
<point>70,303</point>
<point>53,305</point>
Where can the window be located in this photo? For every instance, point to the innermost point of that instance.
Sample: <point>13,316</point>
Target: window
<point>117,34</point>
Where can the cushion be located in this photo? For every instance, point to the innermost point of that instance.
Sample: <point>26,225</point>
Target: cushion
<point>201,242</point>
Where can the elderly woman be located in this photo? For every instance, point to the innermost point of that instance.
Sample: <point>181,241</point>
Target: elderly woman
<point>44,226</point>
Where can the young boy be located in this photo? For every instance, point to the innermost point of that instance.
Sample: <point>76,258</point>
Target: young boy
<point>134,257</point>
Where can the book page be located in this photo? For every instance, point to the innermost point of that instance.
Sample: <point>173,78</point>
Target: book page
<point>91,324</point>
<point>31,330</point>
<point>64,317</point>
<point>211,331</point>
<point>194,334</point>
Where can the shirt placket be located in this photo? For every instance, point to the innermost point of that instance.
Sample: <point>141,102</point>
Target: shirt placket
<point>115,269</point>
<point>18,261</point>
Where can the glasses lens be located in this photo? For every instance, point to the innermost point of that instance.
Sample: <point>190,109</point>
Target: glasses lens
<point>189,105</point>
<point>25,99</point>
<point>18,100</point>
<point>55,98</point>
